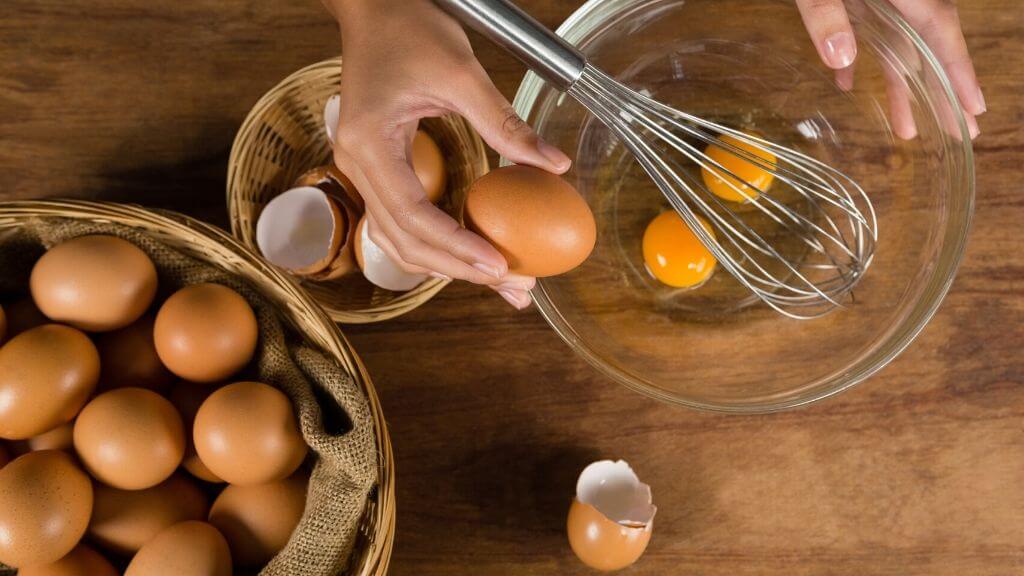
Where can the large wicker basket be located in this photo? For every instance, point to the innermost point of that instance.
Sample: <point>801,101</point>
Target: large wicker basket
<point>283,137</point>
<point>213,246</point>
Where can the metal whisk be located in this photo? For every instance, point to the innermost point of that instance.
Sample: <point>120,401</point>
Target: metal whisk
<point>825,226</point>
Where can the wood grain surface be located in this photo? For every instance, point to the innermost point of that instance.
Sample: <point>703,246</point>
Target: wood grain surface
<point>917,471</point>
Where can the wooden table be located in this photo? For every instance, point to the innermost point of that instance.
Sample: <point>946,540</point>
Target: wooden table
<point>918,471</point>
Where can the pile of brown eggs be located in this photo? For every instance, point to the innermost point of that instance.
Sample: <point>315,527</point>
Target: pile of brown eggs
<point>123,425</point>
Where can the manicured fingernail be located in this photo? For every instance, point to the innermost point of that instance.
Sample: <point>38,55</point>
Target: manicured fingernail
<point>972,127</point>
<point>440,276</point>
<point>557,158</point>
<point>489,270</point>
<point>981,102</point>
<point>517,301</point>
<point>840,50</point>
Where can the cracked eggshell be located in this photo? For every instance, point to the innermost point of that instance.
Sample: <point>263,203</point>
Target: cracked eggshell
<point>335,184</point>
<point>611,518</point>
<point>301,230</point>
<point>332,115</point>
<point>378,267</point>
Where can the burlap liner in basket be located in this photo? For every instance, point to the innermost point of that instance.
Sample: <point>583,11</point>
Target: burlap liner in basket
<point>333,412</point>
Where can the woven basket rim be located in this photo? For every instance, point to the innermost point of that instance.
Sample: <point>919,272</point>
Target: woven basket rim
<point>401,304</point>
<point>316,327</point>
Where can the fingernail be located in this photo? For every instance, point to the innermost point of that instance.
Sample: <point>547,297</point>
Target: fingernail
<point>840,50</point>
<point>515,300</point>
<point>972,127</point>
<point>557,158</point>
<point>440,276</point>
<point>981,102</point>
<point>489,270</point>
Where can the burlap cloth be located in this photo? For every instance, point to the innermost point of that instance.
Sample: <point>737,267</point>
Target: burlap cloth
<point>332,409</point>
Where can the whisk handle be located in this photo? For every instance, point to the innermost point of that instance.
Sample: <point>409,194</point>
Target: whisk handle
<point>508,26</point>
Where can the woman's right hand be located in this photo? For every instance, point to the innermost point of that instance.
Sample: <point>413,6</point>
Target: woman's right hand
<point>406,60</point>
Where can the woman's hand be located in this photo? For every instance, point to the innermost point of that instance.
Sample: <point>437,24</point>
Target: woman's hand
<point>935,20</point>
<point>406,60</point>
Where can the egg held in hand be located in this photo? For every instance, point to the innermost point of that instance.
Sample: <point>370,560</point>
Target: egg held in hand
<point>45,503</point>
<point>537,220</point>
<point>674,255</point>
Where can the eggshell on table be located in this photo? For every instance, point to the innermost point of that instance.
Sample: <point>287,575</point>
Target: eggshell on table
<point>247,433</point>
<point>187,397</point>
<point>46,375</point>
<point>537,220</point>
<point>128,358</point>
<point>124,520</point>
<point>257,521</point>
<point>45,503</point>
<point>185,549</point>
<point>82,561</point>
<point>205,333</point>
<point>95,283</point>
<point>130,438</point>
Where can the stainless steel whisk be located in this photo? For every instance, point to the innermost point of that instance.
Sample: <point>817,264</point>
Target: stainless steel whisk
<point>827,223</point>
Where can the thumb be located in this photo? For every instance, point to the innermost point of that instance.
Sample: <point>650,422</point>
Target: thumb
<point>502,128</point>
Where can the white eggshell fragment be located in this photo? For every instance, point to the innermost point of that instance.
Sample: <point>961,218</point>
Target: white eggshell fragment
<point>378,267</point>
<point>301,230</point>
<point>614,489</point>
<point>332,115</point>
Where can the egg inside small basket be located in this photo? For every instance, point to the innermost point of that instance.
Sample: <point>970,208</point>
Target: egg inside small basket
<point>334,414</point>
<point>284,137</point>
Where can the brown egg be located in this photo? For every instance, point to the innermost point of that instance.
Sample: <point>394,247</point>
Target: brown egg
<point>23,315</point>
<point>124,520</point>
<point>130,438</point>
<point>601,543</point>
<point>185,549</point>
<point>82,561</point>
<point>536,220</point>
<point>128,358</point>
<point>57,439</point>
<point>257,521</point>
<point>187,397</point>
<point>96,283</point>
<point>246,433</point>
<point>205,333</point>
<point>46,375</point>
<point>429,165</point>
<point>45,502</point>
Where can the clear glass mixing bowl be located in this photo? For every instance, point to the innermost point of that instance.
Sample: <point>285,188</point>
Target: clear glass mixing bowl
<point>750,64</point>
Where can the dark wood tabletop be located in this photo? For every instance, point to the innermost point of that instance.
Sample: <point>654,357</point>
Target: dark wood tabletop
<point>919,470</point>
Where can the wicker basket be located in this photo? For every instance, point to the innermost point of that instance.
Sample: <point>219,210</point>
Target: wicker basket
<point>283,137</point>
<point>211,245</point>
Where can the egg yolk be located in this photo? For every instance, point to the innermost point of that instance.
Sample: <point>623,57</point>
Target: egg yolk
<point>674,255</point>
<point>750,177</point>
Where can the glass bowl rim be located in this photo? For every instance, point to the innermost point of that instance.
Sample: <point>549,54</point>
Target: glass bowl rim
<point>595,13</point>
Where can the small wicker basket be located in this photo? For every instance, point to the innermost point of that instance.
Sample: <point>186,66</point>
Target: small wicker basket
<point>213,246</point>
<point>283,137</point>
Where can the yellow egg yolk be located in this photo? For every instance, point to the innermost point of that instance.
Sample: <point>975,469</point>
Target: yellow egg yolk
<point>749,177</point>
<point>673,253</point>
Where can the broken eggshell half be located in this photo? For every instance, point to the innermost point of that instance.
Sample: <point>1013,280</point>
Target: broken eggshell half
<point>332,116</point>
<point>611,518</point>
<point>302,230</point>
<point>378,267</point>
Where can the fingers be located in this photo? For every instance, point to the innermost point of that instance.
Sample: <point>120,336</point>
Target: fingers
<point>515,290</point>
<point>898,94</point>
<point>498,124</point>
<point>939,24</point>
<point>829,27</point>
